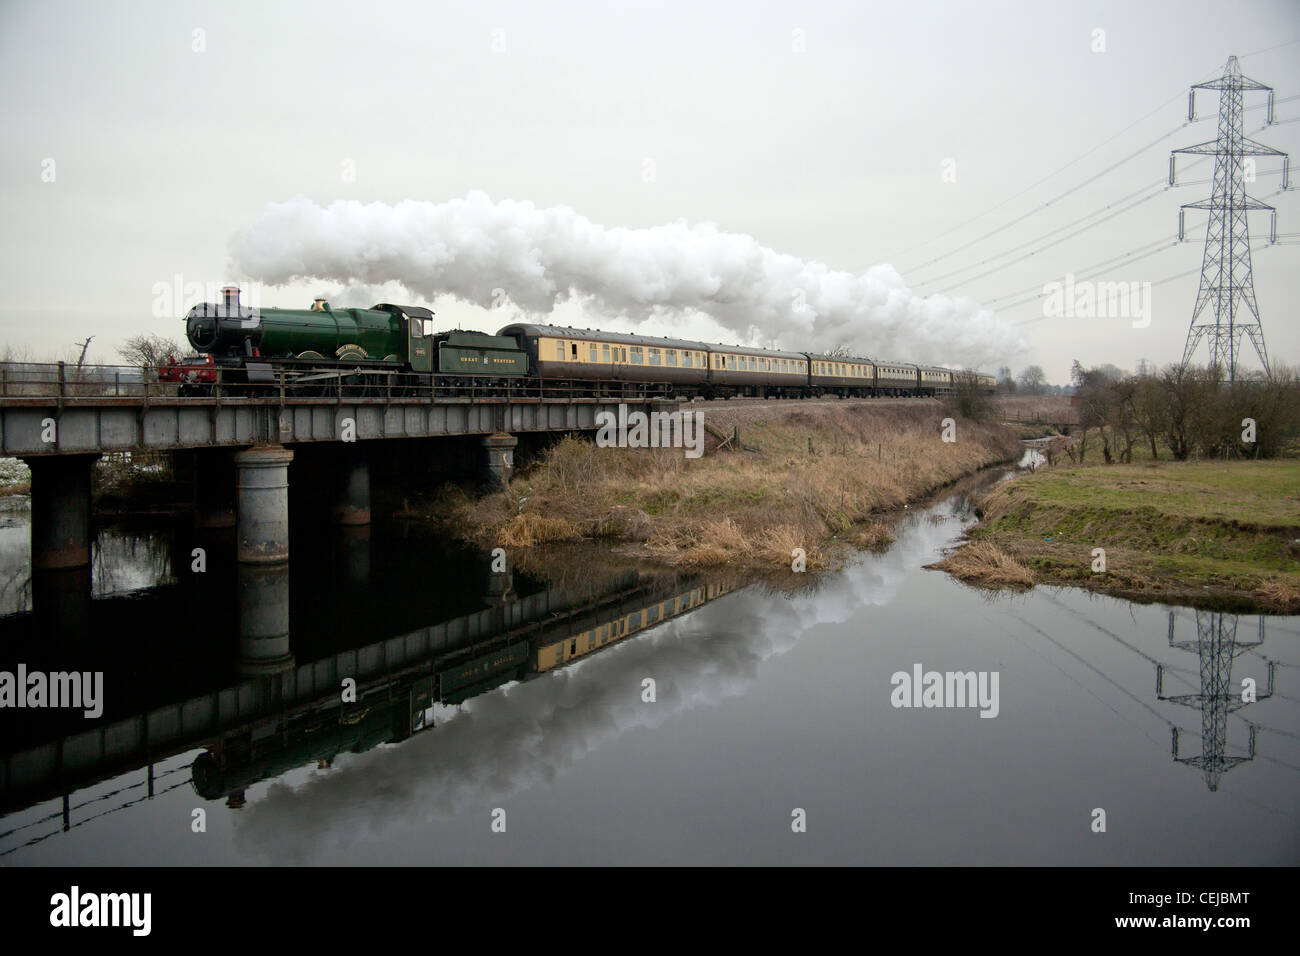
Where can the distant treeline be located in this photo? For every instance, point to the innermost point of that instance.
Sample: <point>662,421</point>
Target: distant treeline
<point>1188,411</point>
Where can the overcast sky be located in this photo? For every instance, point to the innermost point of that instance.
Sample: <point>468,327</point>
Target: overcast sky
<point>846,134</point>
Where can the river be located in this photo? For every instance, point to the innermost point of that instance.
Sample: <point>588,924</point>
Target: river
<point>750,726</point>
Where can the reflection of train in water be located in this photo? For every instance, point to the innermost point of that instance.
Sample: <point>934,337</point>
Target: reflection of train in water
<point>400,348</point>
<point>404,706</point>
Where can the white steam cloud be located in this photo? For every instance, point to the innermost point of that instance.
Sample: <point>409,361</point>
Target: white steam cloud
<point>478,250</point>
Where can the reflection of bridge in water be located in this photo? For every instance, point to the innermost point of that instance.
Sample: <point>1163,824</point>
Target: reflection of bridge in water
<point>285,714</point>
<point>1217,646</point>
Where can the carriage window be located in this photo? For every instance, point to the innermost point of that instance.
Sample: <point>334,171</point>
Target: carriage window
<point>670,357</point>
<point>593,353</point>
<point>636,355</point>
<point>574,351</point>
<point>686,359</point>
<point>604,354</point>
<point>559,351</point>
<point>654,357</point>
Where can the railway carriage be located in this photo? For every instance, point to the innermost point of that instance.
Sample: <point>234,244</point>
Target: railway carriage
<point>841,375</point>
<point>936,381</point>
<point>586,356</point>
<point>897,379</point>
<point>759,373</point>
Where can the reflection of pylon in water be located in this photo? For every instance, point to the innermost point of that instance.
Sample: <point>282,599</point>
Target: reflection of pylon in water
<point>1216,645</point>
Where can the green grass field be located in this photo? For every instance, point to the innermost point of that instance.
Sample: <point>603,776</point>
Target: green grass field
<point>1179,529</point>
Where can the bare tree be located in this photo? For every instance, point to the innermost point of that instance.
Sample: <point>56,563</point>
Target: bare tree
<point>150,350</point>
<point>1032,379</point>
<point>81,359</point>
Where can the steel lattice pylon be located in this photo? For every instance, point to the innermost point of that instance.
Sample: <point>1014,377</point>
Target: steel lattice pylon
<point>1216,646</point>
<point>1227,280</point>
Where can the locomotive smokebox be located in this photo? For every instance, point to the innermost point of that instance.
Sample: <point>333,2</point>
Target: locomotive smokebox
<point>226,327</point>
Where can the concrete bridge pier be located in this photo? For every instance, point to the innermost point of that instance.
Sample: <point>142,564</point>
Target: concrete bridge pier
<point>61,608</point>
<point>352,491</point>
<point>264,619</point>
<point>352,558</point>
<point>60,511</point>
<point>498,458</point>
<point>214,489</point>
<point>262,504</point>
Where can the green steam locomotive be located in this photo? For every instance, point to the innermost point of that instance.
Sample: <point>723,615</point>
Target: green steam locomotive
<point>257,346</point>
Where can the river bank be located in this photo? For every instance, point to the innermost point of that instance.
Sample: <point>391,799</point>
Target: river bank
<point>820,478</point>
<point>1212,534</point>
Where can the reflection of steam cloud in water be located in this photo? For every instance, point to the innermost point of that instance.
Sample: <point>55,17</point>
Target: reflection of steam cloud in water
<point>508,741</point>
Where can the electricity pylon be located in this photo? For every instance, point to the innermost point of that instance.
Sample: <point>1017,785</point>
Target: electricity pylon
<point>1216,645</point>
<point>1227,280</point>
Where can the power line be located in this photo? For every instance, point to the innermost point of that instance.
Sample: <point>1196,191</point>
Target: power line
<point>1158,186</point>
<point>931,281</point>
<point>1057,242</point>
<point>1039,182</point>
<point>1158,282</point>
<point>1057,198</point>
<point>1148,250</point>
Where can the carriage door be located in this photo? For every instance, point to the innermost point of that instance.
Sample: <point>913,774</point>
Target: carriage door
<point>420,344</point>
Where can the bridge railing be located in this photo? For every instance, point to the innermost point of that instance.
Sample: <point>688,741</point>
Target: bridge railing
<point>22,382</point>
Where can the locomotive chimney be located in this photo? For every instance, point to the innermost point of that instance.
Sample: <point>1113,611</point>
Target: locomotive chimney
<point>230,300</point>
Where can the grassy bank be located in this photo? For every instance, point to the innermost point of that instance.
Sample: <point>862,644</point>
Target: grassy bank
<point>817,476</point>
<point>1209,533</point>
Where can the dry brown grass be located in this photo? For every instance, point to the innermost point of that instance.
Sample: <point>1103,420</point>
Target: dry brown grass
<point>1044,408</point>
<point>1278,594</point>
<point>526,530</point>
<point>872,536</point>
<point>986,565</point>
<point>749,508</point>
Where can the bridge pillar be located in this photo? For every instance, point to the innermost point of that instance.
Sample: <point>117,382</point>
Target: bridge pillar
<point>60,511</point>
<point>61,608</point>
<point>498,458</point>
<point>264,619</point>
<point>263,504</point>
<point>352,493</point>
<point>352,558</point>
<point>214,489</point>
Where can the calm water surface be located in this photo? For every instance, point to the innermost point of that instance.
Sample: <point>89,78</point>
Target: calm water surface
<point>764,703</point>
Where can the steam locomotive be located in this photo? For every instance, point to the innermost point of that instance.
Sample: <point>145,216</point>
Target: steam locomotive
<point>322,346</point>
